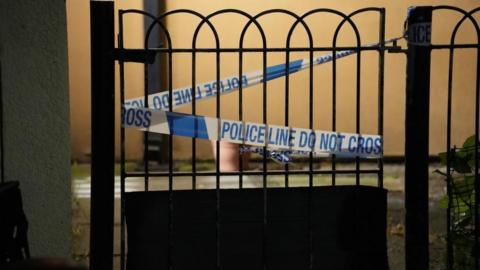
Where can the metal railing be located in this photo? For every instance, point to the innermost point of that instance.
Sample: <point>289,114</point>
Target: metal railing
<point>148,53</point>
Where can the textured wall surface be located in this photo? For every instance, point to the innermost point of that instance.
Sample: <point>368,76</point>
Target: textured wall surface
<point>33,53</point>
<point>78,24</point>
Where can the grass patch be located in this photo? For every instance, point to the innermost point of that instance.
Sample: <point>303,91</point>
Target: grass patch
<point>320,180</point>
<point>82,170</point>
<point>201,166</point>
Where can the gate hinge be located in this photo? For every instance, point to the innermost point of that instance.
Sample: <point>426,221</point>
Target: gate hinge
<point>135,55</point>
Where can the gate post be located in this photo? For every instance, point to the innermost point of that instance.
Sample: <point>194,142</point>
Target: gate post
<point>416,138</point>
<point>103,135</point>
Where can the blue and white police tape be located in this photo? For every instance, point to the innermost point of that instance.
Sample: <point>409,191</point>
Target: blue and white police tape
<point>279,156</point>
<point>183,96</point>
<point>254,134</point>
<point>286,156</point>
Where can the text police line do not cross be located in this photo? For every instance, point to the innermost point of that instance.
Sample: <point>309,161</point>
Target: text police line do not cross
<point>253,134</point>
<point>356,144</point>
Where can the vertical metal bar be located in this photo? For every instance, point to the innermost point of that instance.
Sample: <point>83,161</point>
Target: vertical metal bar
<point>416,139</point>
<point>122,146</point>
<point>477,180</point>
<point>264,161</point>
<point>146,158</point>
<point>240,112</point>
<point>310,115</point>
<point>2,149</point>
<point>381,87</point>
<point>217,185</point>
<point>194,111</point>
<point>103,135</point>
<point>287,102</point>
<point>170,165</point>
<point>334,107</point>
<point>450,258</point>
<point>358,111</point>
<point>310,164</point>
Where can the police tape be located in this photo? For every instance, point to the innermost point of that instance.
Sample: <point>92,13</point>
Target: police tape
<point>183,96</point>
<point>286,156</point>
<point>295,141</point>
<point>279,156</point>
<point>252,134</point>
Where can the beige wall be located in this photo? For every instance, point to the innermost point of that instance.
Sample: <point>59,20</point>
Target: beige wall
<point>276,27</point>
<point>78,16</point>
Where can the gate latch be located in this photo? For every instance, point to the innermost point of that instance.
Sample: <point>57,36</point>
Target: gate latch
<point>135,55</point>
<point>395,48</point>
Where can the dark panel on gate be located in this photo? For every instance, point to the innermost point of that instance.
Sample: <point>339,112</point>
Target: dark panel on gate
<point>147,218</point>
<point>241,228</point>
<point>348,228</point>
<point>193,230</point>
<point>287,229</point>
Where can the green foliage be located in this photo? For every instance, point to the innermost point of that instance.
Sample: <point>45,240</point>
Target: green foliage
<point>463,249</point>
<point>443,203</point>
<point>462,159</point>
<point>461,202</point>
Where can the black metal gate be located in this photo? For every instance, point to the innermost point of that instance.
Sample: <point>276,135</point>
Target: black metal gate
<point>463,185</point>
<point>278,228</point>
<point>461,163</point>
<point>306,226</point>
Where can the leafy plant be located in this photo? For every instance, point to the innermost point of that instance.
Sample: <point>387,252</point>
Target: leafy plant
<point>461,202</point>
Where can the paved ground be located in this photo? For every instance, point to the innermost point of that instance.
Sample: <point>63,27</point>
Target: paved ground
<point>393,182</point>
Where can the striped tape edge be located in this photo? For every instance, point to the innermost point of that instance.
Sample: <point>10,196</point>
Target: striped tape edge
<point>253,134</point>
